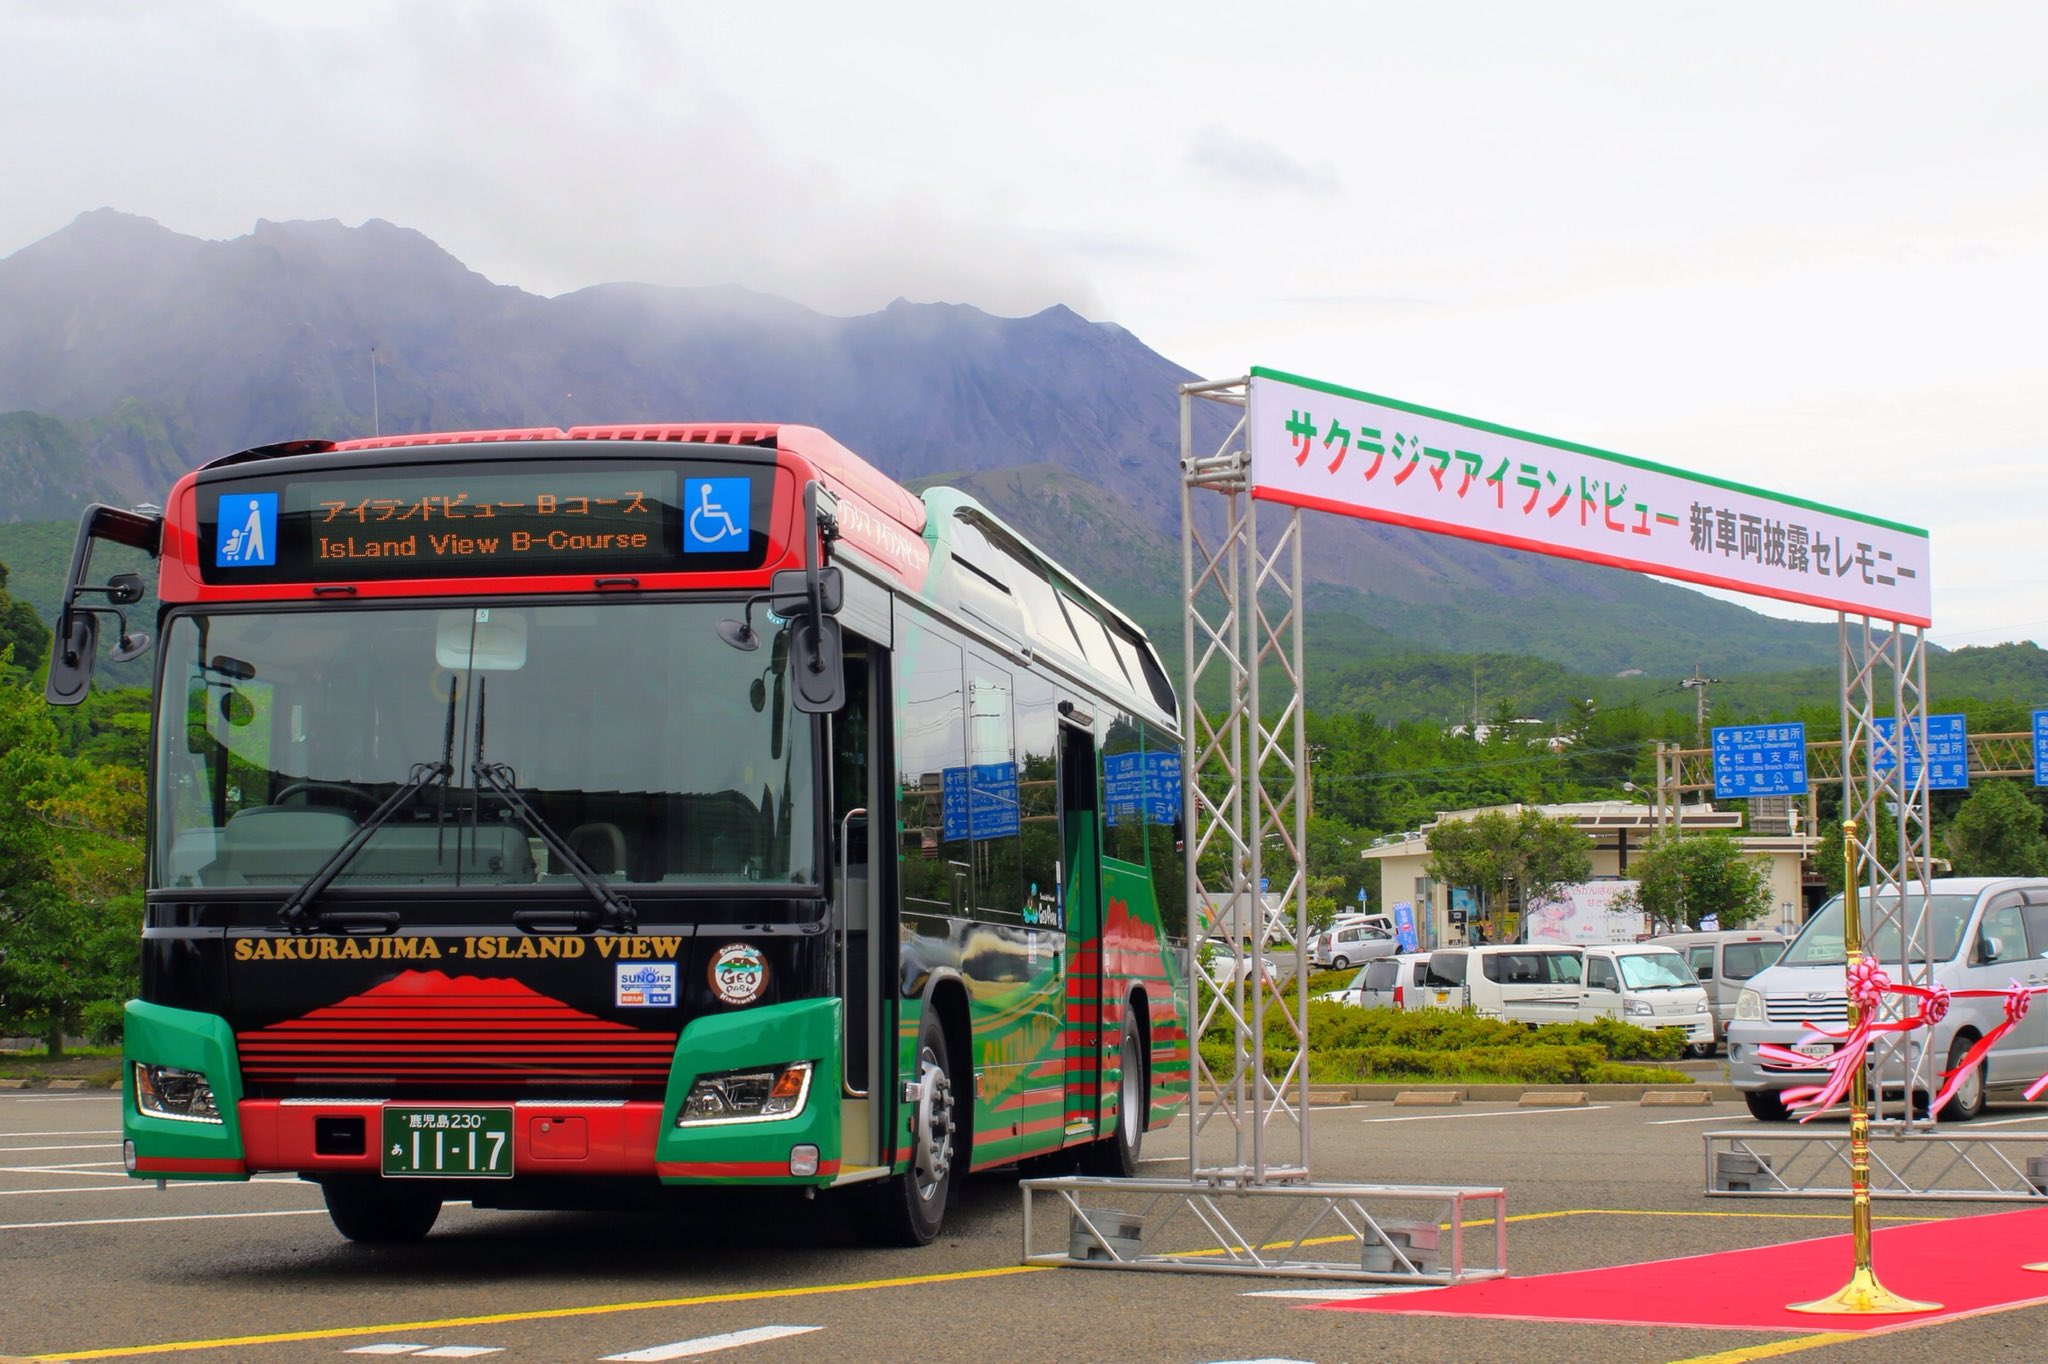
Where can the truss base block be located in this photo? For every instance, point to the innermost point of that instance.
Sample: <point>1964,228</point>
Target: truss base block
<point>1382,1233</point>
<point>2003,1167</point>
<point>1104,1234</point>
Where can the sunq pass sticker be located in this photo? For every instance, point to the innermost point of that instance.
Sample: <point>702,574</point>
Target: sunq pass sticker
<point>739,973</point>
<point>647,985</point>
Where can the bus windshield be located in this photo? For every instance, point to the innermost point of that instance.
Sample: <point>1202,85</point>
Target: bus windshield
<point>655,752</point>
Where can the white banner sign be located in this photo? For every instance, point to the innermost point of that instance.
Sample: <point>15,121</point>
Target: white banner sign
<point>1338,450</point>
<point>1585,914</point>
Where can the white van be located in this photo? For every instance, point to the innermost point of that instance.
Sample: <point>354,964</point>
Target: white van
<point>1523,983</point>
<point>1986,932</point>
<point>1724,961</point>
<point>1649,986</point>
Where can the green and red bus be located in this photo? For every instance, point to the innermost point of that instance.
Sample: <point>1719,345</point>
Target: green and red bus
<point>539,818</point>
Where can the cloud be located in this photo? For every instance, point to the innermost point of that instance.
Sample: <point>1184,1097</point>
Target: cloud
<point>1256,163</point>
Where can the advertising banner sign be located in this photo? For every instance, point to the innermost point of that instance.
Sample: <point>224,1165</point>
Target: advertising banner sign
<point>1585,914</point>
<point>1339,450</point>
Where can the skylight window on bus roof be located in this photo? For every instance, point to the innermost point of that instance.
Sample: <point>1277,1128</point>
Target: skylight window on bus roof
<point>1095,645</point>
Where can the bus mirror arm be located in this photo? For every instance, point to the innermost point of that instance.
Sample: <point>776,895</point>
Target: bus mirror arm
<point>78,630</point>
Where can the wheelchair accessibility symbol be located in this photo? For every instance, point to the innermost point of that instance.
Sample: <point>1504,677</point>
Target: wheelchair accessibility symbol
<point>716,515</point>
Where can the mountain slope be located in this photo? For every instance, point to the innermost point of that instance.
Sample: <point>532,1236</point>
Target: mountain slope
<point>154,352</point>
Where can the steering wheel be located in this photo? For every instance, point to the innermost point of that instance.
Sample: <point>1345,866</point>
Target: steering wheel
<point>339,793</point>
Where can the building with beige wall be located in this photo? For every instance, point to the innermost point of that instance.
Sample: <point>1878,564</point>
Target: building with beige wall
<point>1618,829</point>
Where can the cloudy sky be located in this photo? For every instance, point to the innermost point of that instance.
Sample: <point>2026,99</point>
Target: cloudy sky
<point>1803,246</point>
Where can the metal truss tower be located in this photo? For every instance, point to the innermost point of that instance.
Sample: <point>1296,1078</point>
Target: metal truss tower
<point>1246,772</point>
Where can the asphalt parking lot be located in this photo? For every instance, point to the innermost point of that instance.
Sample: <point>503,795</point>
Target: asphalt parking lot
<point>97,1266</point>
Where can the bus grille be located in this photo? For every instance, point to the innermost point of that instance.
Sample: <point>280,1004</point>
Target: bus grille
<point>427,1030</point>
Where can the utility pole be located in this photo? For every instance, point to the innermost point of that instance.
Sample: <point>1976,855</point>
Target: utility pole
<point>1699,684</point>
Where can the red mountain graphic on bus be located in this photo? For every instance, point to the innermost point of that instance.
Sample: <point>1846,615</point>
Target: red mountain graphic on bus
<point>431,1028</point>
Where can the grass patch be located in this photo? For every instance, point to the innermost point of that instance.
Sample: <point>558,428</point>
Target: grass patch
<point>1348,1046</point>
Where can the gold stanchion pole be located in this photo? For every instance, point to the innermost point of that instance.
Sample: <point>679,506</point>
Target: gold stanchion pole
<point>1863,1295</point>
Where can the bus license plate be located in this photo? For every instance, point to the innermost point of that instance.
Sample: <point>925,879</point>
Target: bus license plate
<point>448,1143</point>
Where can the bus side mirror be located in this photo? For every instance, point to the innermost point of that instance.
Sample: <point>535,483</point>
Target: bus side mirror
<point>71,660</point>
<point>817,665</point>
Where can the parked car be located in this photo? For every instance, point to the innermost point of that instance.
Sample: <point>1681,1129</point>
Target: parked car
<point>1723,961</point>
<point>1389,982</point>
<point>1649,986</point>
<point>1986,932</point>
<point>1533,983</point>
<point>1225,965</point>
<point>1337,948</point>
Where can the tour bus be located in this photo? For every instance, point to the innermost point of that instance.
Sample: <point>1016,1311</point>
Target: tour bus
<point>541,817</point>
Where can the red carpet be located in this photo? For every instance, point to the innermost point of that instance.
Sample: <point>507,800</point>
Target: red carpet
<point>1967,1264</point>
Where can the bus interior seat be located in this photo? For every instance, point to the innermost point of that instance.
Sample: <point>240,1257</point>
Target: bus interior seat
<point>601,845</point>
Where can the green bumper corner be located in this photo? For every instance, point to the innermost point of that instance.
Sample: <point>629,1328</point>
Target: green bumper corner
<point>755,1151</point>
<point>170,1148</point>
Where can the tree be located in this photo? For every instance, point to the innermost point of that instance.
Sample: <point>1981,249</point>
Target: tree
<point>1997,832</point>
<point>1681,879</point>
<point>70,873</point>
<point>1496,852</point>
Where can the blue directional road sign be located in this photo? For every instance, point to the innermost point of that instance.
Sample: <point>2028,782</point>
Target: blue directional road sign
<point>2041,748</point>
<point>1948,752</point>
<point>1759,760</point>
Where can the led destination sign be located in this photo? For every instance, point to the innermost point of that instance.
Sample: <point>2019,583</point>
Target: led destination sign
<point>449,520</point>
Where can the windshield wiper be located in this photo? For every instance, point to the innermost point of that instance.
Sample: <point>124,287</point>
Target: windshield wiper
<point>293,914</point>
<point>620,916</point>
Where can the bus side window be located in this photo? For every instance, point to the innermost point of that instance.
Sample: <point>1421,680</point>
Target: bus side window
<point>992,805</point>
<point>931,751</point>
<point>1123,793</point>
<point>1038,800</point>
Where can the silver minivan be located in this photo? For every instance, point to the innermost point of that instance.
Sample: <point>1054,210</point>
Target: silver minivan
<point>1987,932</point>
<point>1723,962</point>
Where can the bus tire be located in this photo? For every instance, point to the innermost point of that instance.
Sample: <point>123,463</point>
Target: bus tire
<point>375,1211</point>
<point>909,1208</point>
<point>1117,1155</point>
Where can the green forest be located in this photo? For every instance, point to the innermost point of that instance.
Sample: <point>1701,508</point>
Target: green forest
<point>1392,741</point>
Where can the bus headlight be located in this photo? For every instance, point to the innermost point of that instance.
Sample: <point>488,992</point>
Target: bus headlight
<point>1749,1007</point>
<point>747,1095</point>
<point>169,1092</point>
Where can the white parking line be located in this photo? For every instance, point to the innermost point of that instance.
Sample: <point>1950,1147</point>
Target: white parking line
<point>63,1167</point>
<point>87,1146</point>
<point>2008,1122</point>
<point>124,1184</point>
<point>1508,1113</point>
<point>704,1345</point>
<point>92,1132</point>
<point>1676,1122</point>
<point>173,1217</point>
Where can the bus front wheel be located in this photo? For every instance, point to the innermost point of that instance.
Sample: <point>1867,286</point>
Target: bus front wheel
<point>380,1212</point>
<point>1117,1155</point>
<point>910,1207</point>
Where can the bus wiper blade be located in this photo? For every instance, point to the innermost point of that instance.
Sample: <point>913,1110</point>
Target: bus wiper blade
<point>293,913</point>
<point>620,916</point>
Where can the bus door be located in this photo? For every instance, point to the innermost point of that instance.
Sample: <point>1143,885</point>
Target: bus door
<point>857,906</point>
<point>1081,880</point>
